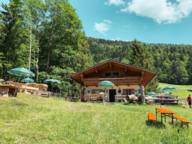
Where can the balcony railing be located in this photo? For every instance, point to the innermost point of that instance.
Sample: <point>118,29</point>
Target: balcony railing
<point>116,81</point>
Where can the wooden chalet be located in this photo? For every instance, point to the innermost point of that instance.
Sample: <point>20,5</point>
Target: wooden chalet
<point>127,80</point>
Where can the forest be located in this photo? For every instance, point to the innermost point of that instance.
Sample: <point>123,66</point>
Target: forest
<point>172,63</point>
<point>48,38</point>
<point>44,36</point>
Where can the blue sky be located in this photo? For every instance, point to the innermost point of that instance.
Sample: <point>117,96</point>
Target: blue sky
<point>152,21</point>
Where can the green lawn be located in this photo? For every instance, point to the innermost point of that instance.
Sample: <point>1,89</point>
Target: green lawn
<point>181,90</point>
<point>36,120</point>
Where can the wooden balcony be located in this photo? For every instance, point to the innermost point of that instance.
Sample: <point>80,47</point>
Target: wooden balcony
<point>116,81</point>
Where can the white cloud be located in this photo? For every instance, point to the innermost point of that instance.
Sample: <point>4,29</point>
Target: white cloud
<point>162,11</point>
<point>103,27</point>
<point>116,39</point>
<point>115,2</point>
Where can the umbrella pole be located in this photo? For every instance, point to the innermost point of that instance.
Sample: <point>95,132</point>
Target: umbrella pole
<point>105,95</point>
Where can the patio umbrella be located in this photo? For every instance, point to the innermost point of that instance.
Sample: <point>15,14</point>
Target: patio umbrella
<point>168,89</point>
<point>52,81</point>
<point>105,84</point>
<point>28,80</point>
<point>21,72</point>
<point>151,93</point>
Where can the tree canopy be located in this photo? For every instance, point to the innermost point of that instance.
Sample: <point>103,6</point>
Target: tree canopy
<point>172,63</point>
<point>45,36</point>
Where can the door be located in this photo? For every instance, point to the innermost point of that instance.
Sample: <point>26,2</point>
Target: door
<point>112,93</point>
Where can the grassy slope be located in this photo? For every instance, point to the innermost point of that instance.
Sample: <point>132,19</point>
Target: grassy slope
<point>29,120</point>
<point>181,90</point>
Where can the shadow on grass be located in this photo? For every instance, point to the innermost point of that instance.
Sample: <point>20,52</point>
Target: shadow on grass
<point>155,124</point>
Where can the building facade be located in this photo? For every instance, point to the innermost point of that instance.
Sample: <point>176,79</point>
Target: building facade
<point>127,80</point>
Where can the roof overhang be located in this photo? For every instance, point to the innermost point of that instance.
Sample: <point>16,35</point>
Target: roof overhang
<point>146,74</point>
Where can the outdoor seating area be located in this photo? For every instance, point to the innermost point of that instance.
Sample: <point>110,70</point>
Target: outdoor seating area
<point>95,97</point>
<point>21,80</point>
<point>164,95</point>
<point>166,99</point>
<point>33,88</point>
<point>163,98</point>
<point>120,98</point>
<point>167,113</point>
<point>8,90</point>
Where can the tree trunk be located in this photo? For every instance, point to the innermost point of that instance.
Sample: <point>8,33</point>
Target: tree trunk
<point>48,59</point>
<point>49,50</point>
<point>37,70</point>
<point>30,45</point>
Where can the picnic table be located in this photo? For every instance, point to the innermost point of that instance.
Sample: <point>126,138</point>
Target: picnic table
<point>165,112</point>
<point>8,90</point>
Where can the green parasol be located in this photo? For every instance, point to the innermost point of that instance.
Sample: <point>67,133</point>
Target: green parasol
<point>151,93</point>
<point>52,81</point>
<point>28,80</point>
<point>21,72</point>
<point>106,84</point>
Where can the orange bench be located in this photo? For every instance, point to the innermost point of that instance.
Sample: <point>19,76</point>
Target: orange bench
<point>182,120</point>
<point>151,117</point>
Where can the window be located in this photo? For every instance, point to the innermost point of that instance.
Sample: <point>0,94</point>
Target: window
<point>112,74</point>
<point>107,74</point>
<point>115,74</point>
<point>128,91</point>
<point>97,91</point>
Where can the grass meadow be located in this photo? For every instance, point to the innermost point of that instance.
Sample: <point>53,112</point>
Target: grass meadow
<point>181,90</point>
<point>37,120</point>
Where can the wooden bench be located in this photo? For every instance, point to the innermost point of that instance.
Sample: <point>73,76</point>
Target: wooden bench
<point>183,121</point>
<point>151,117</point>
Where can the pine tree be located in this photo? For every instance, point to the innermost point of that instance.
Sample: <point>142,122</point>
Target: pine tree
<point>140,56</point>
<point>178,73</point>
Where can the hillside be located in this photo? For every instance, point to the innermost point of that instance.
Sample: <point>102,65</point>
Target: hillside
<point>173,63</point>
<point>31,119</point>
<point>181,90</point>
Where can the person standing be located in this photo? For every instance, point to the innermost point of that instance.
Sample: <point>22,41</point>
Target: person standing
<point>189,101</point>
